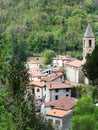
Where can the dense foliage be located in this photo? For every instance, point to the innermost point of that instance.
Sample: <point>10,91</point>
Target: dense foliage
<point>33,26</point>
<point>23,107</point>
<point>90,68</point>
<point>6,118</point>
<point>47,24</point>
<point>85,115</point>
<point>48,56</point>
<point>17,109</point>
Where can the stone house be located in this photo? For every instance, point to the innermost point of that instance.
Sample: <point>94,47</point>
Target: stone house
<point>36,89</point>
<point>66,103</point>
<point>31,64</point>
<point>59,112</point>
<point>35,61</point>
<point>59,118</point>
<point>60,60</point>
<point>36,76</point>
<point>59,77</point>
<point>55,90</point>
<point>74,72</point>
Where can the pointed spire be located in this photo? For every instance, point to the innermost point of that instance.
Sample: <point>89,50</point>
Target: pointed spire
<point>88,32</point>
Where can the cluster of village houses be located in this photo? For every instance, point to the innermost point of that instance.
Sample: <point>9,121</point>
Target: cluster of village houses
<point>52,87</point>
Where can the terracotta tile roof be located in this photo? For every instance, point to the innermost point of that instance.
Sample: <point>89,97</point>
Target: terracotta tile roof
<point>57,85</point>
<point>38,104</point>
<point>32,62</point>
<point>57,113</point>
<point>52,76</point>
<point>76,63</point>
<point>65,103</point>
<point>36,74</point>
<point>56,69</point>
<point>35,68</point>
<point>35,83</point>
<point>61,57</point>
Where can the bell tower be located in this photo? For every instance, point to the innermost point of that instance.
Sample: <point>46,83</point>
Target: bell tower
<point>88,41</point>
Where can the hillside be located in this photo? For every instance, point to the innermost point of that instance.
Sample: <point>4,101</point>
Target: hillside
<point>47,24</point>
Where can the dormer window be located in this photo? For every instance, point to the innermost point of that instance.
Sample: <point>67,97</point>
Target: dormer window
<point>90,43</point>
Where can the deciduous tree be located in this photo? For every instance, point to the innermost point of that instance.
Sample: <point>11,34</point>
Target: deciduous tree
<point>48,56</point>
<point>6,118</point>
<point>84,115</point>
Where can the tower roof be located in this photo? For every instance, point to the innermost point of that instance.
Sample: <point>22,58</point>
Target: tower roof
<point>89,32</point>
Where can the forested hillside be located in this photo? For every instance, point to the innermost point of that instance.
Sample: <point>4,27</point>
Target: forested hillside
<point>47,24</point>
<point>28,28</point>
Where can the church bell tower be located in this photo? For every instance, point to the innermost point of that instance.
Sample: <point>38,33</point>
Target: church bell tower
<point>88,41</point>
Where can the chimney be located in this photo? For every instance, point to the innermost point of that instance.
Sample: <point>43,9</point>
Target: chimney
<point>54,112</point>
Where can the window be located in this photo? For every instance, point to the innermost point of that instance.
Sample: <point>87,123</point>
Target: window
<point>37,90</point>
<point>67,90</point>
<point>33,91</point>
<point>56,97</point>
<point>67,95</point>
<point>57,122</point>
<point>56,90</point>
<point>90,43</point>
<point>37,58</point>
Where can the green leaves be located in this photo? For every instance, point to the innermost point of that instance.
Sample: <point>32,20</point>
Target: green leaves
<point>90,68</point>
<point>37,20</point>
<point>85,122</point>
<point>6,119</point>
<point>48,56</point>
<point>85,114</point>
<point>84,106</point>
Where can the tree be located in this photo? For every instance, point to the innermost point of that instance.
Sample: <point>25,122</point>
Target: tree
<point>84,115</point>
<point>22,108</point>
<point>6,118</point>
<point>74,28</point>
<point>48,56</point>
<point>73,34</point>
<point>90,68</point>
<point>18,79</point>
